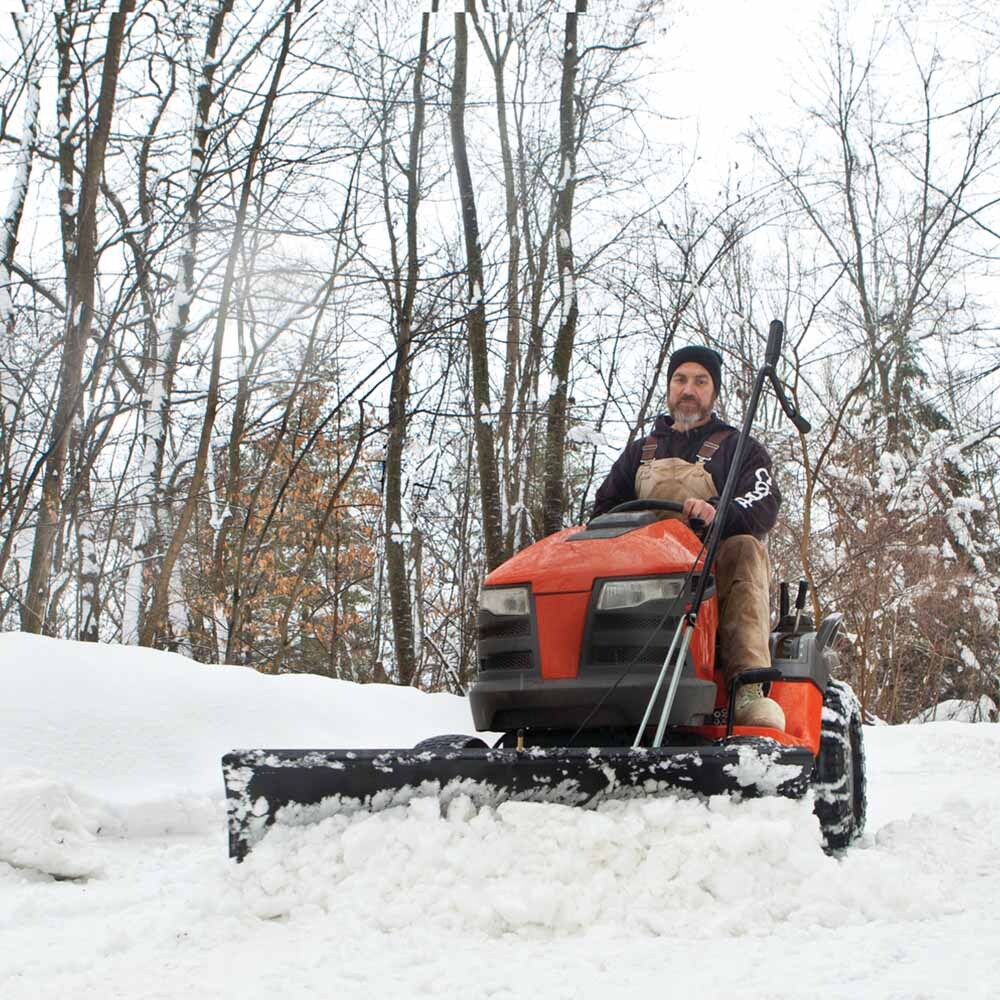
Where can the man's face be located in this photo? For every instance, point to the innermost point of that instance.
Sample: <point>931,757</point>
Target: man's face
<point>690,395</point>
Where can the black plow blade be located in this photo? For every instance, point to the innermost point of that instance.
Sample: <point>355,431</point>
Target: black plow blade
<point>303,786</point>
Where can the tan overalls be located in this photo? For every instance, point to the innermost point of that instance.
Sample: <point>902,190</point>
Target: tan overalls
<point>742,567</point>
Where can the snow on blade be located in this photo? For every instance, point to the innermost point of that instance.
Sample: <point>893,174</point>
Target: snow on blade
<point>760,771</point>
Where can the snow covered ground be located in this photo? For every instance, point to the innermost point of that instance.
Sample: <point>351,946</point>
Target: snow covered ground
<point>110,780</point>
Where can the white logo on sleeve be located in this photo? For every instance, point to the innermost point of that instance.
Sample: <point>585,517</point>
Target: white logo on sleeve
<point>761,489</point>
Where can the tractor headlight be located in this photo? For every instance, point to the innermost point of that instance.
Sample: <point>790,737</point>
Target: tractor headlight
<point>505,600</point>
<point>618,594</point>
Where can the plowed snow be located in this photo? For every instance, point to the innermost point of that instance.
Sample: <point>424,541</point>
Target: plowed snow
<point>666,897</point>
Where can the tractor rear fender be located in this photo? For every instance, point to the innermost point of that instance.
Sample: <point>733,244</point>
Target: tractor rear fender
<point>805,664</point>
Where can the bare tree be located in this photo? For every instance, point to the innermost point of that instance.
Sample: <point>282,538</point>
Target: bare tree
<point>403,290</point>
<point>79,243</point>
<point>156,618</point>
<point>489,481</point>
<point>892,196</point>
<point>555,430</point>
<point>165,337</point>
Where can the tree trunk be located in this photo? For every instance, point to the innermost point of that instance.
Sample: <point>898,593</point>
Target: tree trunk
<point>489,487</point>
<point>163,364</point>
<point>555,431</point>
<point>80,254</point>
<point>10,222</point>
<point>497,56</point>
<point>405,650</point>
<point>80,512</point>
<point>156,620</point>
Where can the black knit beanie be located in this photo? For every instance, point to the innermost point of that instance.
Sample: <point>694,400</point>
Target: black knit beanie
<point>710,360</point>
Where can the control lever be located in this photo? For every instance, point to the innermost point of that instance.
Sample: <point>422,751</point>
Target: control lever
<point>800,602</point>
<point>771,354</point>
<point>801,424</point>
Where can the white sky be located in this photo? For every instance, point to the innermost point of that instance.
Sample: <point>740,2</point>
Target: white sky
<point>736,61</point>
<point>728,63</point>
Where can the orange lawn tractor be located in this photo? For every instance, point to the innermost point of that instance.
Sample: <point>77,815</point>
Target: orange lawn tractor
<point>597,667</point>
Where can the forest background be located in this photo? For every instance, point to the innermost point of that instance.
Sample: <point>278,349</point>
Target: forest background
<point>313,312</point>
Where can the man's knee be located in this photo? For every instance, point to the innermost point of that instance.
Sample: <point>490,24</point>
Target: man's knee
<point>742,556</point>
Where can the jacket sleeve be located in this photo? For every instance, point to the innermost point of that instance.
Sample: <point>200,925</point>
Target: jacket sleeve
<point>756,500</point>
<point>619,485</point>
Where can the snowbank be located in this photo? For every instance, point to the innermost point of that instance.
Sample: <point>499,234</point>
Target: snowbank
<point>115,881</point>
<point>984,710</point>
<point>128,723</point>
<point>129,740</point>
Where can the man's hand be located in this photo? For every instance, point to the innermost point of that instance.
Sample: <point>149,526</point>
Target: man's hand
<point>699,509</point>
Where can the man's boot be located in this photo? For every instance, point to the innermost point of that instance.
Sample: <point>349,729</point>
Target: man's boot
<point>754,709</point>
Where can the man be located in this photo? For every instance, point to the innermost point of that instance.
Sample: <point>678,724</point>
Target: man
<point>687,459</point>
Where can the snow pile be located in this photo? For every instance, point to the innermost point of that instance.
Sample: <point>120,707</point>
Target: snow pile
<point>539,871</point>
<point>636,868</point>
<point>983,710</point>
<point>110,784</point>
<point>131,723</point>
<point>129,740</point>
<point>45,826</point>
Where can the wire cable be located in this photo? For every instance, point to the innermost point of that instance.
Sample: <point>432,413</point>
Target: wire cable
<point>666,616</point>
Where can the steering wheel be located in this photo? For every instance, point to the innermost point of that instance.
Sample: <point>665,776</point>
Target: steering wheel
<point>648,504</point>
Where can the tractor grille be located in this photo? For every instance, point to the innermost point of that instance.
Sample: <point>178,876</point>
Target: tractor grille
<point>506,642</point>
<point>626,621</point>
<point>638,637</point>
<point>652,656</point>
<point>504,628</point>
<point>520,659</point>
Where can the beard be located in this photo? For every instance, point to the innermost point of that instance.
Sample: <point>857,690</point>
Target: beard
<point>691,415</point>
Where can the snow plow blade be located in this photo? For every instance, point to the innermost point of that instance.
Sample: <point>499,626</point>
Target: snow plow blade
<point>296,787</point>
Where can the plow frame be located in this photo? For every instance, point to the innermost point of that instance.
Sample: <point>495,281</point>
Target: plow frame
<point>264,787</point>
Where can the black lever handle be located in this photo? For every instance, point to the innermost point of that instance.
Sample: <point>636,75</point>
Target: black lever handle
<point>800,422</point>
<point>774,335</point>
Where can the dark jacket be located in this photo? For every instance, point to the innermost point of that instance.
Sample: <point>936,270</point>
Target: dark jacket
<point>755,501</point>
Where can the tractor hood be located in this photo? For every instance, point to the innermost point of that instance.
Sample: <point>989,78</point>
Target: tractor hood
<point>614,545</point>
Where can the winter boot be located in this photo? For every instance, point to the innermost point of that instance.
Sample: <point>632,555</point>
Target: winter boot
<point>753,709</point>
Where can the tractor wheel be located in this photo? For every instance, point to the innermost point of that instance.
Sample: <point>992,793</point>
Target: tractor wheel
<point>838,782</point>
<point>451,743</point>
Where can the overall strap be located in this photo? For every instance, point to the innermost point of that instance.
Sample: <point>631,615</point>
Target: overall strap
<point>711,445</point>
<point>648,449</point>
